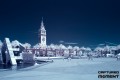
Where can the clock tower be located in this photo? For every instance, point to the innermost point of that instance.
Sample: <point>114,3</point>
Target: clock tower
<point>42,32</point>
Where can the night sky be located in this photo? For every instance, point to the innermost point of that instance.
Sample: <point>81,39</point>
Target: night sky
<point>86,22</point>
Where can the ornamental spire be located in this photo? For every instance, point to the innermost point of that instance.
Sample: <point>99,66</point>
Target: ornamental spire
<point>42,24</point>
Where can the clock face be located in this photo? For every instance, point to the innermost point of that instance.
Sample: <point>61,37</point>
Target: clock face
<point>43,39</point>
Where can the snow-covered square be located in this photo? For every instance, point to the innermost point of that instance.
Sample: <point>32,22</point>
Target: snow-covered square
<point>75,69</point>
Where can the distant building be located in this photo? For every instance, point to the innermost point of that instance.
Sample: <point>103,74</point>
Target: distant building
<point>42,33</point>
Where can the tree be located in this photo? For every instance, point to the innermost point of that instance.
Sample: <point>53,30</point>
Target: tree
<point>61,46</point>
<point>76,48</point>
<point>27,45</point>
<point>37,46</point>
<point>15,43</point>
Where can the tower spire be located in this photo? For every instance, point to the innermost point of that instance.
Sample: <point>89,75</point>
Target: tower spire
<point>42,18</point>
<point>42,24</point>
<point>42,35</point>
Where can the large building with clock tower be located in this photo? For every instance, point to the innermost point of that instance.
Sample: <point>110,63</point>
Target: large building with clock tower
<point>42,33</point>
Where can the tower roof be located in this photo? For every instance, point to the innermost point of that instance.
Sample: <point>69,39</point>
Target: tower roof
<point>42,25</point>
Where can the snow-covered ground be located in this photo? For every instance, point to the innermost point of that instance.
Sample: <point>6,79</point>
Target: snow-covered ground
<point>76,69</point>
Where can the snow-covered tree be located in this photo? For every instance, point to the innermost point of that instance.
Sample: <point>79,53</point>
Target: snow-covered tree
<point>88,49</point>
<point>118,47</point>
<point>15,43</point>
<point>83,48</point>
<point>76,48</point>
<point>57,46</point>
<point>48,47</point>
<point>36,46</point>
<point>69,47</point>
<point>27,45</point>
<point>52,46</point>
<point>98,49</point>
<point>107,48</point>
<point>113,48</point>
<point>61,46</point>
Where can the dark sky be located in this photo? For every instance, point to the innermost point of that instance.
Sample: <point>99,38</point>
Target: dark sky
<point>86,22</point>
